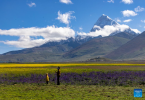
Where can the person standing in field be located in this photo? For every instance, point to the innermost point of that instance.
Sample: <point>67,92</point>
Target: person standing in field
<point>47,78</point>
<point>58,75</point>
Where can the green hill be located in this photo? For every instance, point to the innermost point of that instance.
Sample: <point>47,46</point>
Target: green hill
<point>132,50</point>
<point>96,47</point>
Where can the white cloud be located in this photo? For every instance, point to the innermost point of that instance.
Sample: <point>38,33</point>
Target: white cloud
<point>66,1</point>
<point>111,1</point>
<point>49,33</point>
<point>31,4</point>
<point>65,18</point>
<point>144,26</point>
<point>80,28</point>
<point>128,13</point>
<point>127,1</point>
<point>139,9</point>
<point>96,27</point>
<point>107,30</point>
<point>136,30</point>
<point>128,20</point>
<point>143,21</point>
<point>117,20</point>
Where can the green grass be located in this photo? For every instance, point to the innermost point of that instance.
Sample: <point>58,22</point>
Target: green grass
<point>66,92</point>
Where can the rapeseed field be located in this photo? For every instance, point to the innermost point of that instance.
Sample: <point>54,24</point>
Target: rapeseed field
<point>69,65</point>
<point>25,69</point>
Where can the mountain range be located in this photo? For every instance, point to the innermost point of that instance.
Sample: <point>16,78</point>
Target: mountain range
<point>121,44</point>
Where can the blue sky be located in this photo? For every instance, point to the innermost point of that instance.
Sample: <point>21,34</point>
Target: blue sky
<point>29,23</point>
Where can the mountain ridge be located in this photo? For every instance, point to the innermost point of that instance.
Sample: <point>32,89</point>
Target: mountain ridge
<point>134,49</point>
<point>97,47</point>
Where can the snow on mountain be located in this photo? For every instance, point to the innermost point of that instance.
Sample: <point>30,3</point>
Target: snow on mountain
<point>78,40</point>
<point>103,21</point>
<point>106,25</point>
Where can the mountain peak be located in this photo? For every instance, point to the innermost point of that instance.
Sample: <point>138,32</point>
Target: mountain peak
<point>105,20</point>
<point>105,16</point>
<point>102,21</point>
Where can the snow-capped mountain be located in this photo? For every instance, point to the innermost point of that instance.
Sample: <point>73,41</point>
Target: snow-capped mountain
<point>99,25</point>
<point>107,21</point>
<point>103,21</point>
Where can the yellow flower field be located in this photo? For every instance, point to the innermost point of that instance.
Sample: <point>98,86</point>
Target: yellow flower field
<point>28,71</point>
<point>24,69</point>
<point>68,65</point>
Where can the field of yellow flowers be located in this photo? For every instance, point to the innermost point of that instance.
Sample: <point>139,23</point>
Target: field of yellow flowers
<point>68,65</point>
<point>23,69</point>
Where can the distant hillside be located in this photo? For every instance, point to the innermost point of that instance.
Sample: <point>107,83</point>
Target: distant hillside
<point>98,59</point>
<point>48,52</point>
<point>126,35</point>
<point>97,47</point>
<point>132,50</point>
<point>52,47</point>
<point>69,50</point>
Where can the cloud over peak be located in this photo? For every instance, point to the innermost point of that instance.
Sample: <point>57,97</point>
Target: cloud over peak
<point>117,20</point>
<point>128,20</point>
<point>108,30</point>
<point>128,13</point>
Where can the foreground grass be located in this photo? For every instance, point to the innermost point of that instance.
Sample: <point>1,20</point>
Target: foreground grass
<point>67,92</point>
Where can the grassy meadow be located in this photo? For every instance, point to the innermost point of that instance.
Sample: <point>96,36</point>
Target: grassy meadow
<point>36,91</point>
<point>67,92</point>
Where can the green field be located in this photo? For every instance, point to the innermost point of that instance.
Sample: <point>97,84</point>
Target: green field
<point>67,92</point>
